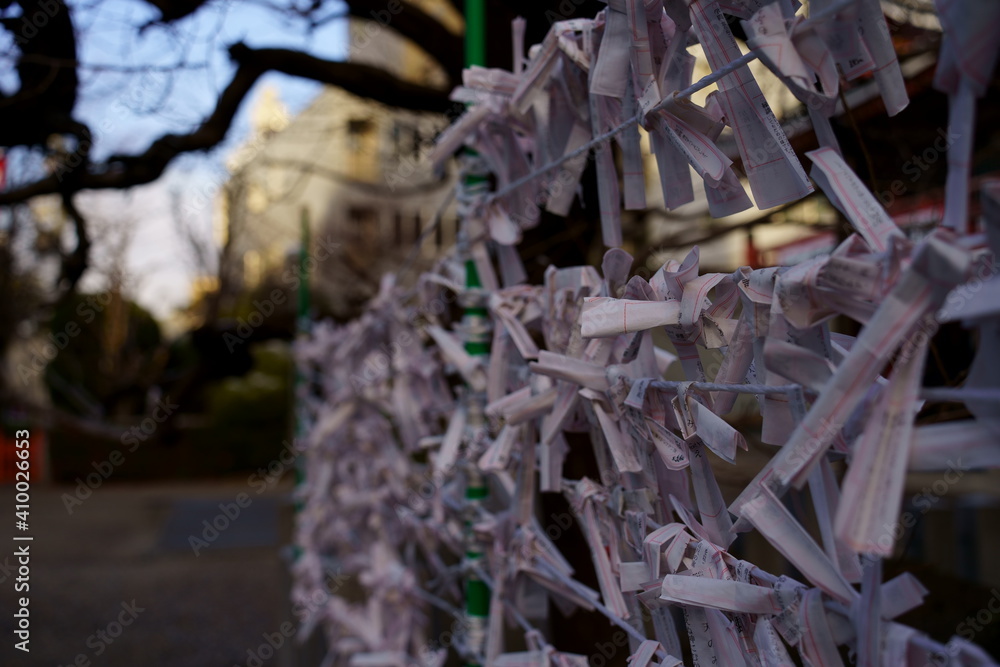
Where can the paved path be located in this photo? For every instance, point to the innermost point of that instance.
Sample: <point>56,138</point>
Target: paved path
<point>130,542</point>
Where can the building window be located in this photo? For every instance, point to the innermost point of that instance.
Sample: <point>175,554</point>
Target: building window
<point>406,140</point>
<point>362,223</point>
<point>397,138</point>
<point>362,161</point>
<point>357,130</point>
<point>416,143</point>
<point>397,224</point>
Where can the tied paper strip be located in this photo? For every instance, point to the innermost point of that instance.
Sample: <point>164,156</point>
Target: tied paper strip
<point>775,175</point>
<point>968,56</point>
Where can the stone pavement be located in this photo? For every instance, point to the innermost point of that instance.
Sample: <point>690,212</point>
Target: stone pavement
<point>130,542</point>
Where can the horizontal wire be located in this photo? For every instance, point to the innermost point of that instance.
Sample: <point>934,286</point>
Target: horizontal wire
<point>737,388</point>
<point>704,82</point>
<point>607,136</point>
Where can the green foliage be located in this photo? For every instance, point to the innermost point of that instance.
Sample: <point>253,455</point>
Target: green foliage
<point>249,416</point>
<point>110,351</point>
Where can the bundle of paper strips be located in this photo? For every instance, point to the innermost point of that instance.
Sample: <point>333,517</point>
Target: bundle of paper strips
<point>401,411</point>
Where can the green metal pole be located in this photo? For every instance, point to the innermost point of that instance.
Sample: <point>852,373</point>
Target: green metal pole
<point>301,331</point>
<point>302,322</point>
<point>476,324</point>
<point>475,33</point>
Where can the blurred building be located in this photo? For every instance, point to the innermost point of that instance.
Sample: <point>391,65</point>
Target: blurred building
<point>359,170</point>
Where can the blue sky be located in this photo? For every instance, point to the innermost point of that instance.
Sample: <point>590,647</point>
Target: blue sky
<point>132,92</point>
<point>199,42</point>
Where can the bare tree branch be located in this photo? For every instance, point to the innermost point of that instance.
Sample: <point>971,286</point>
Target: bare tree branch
<point>364,186</point>
<point>413,23</point>
<point>47,94</point>
<point>124,171</point>
<point>405,18</point>
<point>174,10</point>
<point>362,80</point>
<point>75,263</point>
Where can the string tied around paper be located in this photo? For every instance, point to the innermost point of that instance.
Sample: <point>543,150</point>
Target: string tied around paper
<point>698,85</point>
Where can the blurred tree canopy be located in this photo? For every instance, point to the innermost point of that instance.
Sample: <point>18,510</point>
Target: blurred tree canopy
<point>111,354</point>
